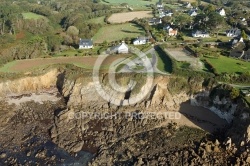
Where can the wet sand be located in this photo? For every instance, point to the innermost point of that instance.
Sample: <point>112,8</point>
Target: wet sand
<point>196,116</point>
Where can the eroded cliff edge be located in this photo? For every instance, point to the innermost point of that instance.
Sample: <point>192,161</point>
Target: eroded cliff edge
<point>41,106</point>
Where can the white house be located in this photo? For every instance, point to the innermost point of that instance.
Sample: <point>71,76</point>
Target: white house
<point>85,44</point>
<point>193,13</point>
<point>200,34</point>
<point>168,14</point>
<point>188,5</point>
<point>234,32</point>
<point>140,40</point>
<point>159,4</point>
<point>154,21</point>
<point>120,49</point>
<point>222,12</point>
<point>166,27</point>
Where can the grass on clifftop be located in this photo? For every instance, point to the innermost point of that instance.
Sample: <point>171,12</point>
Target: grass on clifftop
<point>228,64</point>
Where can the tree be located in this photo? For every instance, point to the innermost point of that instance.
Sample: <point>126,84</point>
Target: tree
<point>209,9</point>
<point>201,21</point>
<point>166,19</point>
<point>198,2</point>
<point>234,93</point>
<point>244,35</point>
<point>194,4</point>
<point>215,22</point>
<point>182,20</point>
<point>72,31</point>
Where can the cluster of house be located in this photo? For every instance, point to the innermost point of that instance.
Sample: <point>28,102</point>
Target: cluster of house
<point>193,11</point>
<point>237,44</point>
<point>162,12</point>
<point>122,48</point>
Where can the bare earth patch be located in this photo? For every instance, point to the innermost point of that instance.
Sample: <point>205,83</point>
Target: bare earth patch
<point>124,17</point>
<point>182,55</point>
<point>84,62</point>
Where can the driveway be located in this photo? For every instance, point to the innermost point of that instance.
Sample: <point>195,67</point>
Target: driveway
<point>150,64</point>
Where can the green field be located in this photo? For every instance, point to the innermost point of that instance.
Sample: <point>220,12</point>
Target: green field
<point>136,4</point>
<point>98,20</point>
<point>228,64</point>
<point>30,15</point>
<point>117,32</point>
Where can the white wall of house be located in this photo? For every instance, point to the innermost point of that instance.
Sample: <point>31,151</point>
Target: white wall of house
<point>85,47</point>
<point>200,35</point>
<point>122,49</point>
<point>193,14</point>
<point>139,42</point>
<point>222,12</point>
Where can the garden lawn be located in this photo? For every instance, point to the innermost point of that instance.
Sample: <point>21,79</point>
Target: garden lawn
<point>228,64</point>
<point>117,32</point>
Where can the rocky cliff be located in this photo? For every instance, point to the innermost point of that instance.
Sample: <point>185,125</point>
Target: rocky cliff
<point>71,119</point>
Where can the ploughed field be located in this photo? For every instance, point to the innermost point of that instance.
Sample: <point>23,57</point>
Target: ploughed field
<point>83,62</point>
<point>129,16</point>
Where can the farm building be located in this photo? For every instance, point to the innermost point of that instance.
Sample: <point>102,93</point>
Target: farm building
<point>120,49</point>
<point>85,44</point>
<point>200,34</point>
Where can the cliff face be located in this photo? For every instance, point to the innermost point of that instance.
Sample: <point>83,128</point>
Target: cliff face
<point>65,117</point>
<point>80,92</point>
<point>29,84</point>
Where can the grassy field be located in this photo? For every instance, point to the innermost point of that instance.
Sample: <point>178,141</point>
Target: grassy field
<point>135,4</point>
<point>83,62</point>
<point>228,64</point>
<point>97,20</point>
<point>118,32</point>
<point>30,15</point>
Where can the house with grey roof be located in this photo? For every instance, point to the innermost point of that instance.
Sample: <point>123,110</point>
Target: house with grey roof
<point>154,21</point>
<point>85,44</point>
<point>193,12</point>
<point>233,32</point>
<point>122,48</point>
<point>141,40</point>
